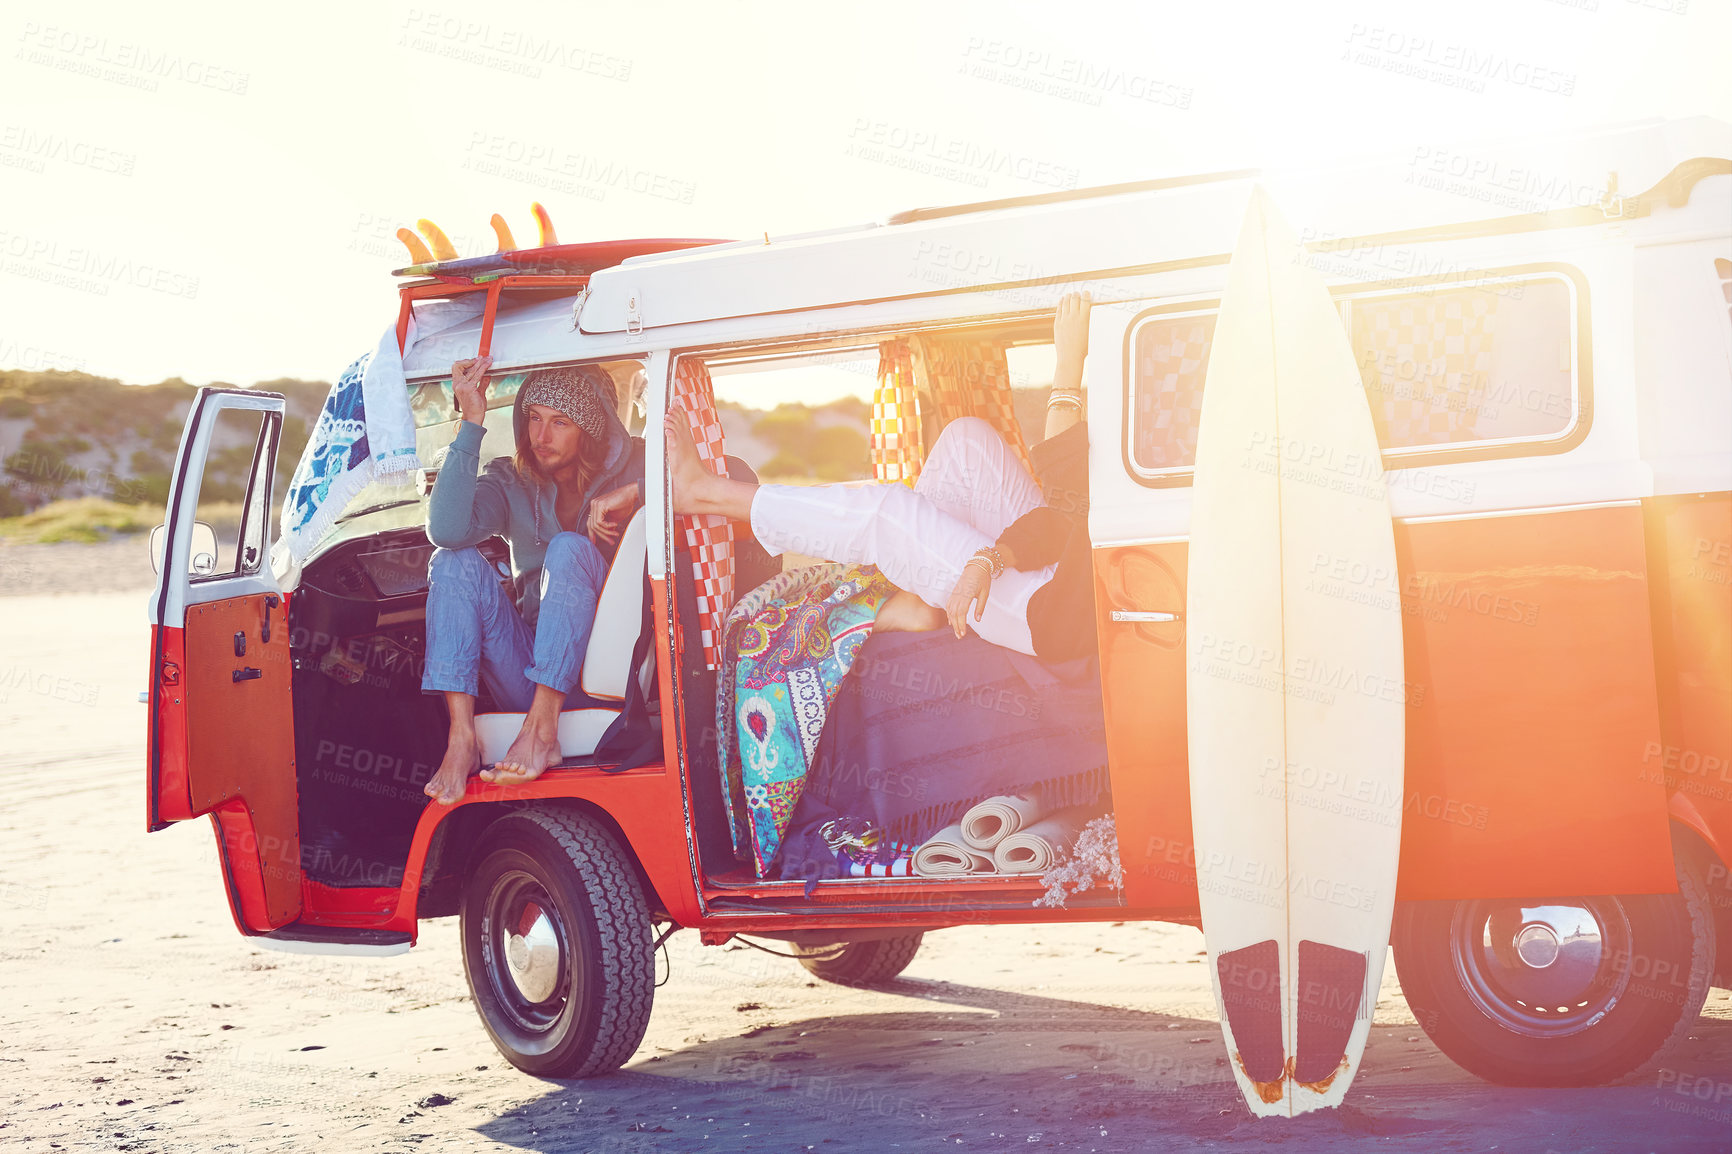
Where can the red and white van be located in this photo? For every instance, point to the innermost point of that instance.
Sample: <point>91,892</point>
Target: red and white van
<point>1564,530</point>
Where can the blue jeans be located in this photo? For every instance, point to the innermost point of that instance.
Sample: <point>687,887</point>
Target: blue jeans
<point>474,631</point>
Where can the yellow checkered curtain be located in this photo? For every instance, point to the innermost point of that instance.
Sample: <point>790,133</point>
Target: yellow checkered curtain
<point>971,378</point>
<point>897,447</point>
<point>1425,361</point>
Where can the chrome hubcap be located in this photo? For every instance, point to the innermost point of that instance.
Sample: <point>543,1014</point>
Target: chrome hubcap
<point>1546,969</point>
<point>527,950</point>
<point>532,957</point>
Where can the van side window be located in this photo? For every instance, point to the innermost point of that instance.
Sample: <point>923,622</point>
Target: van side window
<point>1482,366</point>
<point>1172,354</point>
<point>1487,363</point>
<point>234,494</point>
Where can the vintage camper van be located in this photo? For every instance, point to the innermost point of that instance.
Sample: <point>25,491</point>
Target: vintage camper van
<point>1545,337</point>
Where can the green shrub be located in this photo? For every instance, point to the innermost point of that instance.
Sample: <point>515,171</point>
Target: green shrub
<point>85,519</point>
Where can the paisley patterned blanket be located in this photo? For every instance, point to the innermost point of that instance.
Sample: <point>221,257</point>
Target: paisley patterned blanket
<point>787,646</point>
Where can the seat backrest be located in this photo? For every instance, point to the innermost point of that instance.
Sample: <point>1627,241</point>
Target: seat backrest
<point>618,616</point>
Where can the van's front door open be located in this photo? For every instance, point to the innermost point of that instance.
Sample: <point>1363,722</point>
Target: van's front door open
<point>221,725</point>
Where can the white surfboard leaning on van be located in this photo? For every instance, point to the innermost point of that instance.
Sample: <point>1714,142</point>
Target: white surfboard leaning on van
<point>1296,898</point>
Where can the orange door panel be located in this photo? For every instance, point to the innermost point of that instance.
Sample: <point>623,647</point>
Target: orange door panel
<point>1530,702</point>
<point>1690,542</point>
<point>240,749</point>
<point>1531,698</point>
<point>1143,679</point>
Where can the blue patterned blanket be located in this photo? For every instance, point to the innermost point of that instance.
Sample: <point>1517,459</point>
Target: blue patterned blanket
<point>787,646</point>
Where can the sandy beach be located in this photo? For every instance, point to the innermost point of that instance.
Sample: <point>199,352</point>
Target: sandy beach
<point>134,1017</point>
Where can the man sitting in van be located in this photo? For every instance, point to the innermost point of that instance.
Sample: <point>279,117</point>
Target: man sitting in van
<point>976,532</point>
<point>561,502</point>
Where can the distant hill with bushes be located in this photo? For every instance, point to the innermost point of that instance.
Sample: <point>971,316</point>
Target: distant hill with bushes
<point>65,436</point>
<point>76,437</point>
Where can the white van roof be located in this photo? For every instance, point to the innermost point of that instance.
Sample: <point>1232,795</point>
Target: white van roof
<point>1151,226</point>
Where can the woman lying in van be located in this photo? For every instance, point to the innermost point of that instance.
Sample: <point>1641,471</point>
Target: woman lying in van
<point>562,503</point>
<point>976,531</point>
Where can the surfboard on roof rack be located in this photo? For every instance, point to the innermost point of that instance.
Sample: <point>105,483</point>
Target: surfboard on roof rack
<point>553,260</point>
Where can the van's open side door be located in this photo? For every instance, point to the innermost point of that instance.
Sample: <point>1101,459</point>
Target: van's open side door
<point>221,738</point>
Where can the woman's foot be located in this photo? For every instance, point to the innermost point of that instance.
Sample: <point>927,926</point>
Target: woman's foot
<point>462,759</point>
<point>695,488</point>
<point>906,613</point>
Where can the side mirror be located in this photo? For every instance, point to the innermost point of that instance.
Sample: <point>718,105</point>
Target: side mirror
<point>204,548</point>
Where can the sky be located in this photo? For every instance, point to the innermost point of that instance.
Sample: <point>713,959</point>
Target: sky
<point>211,192</point>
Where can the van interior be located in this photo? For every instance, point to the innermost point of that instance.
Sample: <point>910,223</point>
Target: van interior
<point>367,739</point>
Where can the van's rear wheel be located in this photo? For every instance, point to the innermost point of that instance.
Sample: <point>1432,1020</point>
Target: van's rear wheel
<point>868,963</point>
<point>556,944</point>
<point>1564,992</point>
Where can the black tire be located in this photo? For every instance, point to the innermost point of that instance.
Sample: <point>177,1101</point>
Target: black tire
<point>1621,1000</point>
<point>568,995</point>
<point>868,963</point>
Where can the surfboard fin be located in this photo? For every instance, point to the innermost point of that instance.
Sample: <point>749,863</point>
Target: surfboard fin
<point>501,230</point>
<point>441,245</point>
<point>418,253</point>
<point>544,224</point>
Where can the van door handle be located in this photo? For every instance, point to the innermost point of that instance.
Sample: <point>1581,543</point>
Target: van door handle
<point>265,628</point>
<point>1145,615</point>
<point>248,674</point>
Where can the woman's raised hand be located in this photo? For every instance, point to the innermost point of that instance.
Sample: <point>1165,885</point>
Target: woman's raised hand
<point>469,387</point>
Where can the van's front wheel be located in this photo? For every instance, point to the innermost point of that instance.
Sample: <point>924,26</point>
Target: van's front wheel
<point>1560,992</point>
<point>556,945</point>
<point>867,963</point>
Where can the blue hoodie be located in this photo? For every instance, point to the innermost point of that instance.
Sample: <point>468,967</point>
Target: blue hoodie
<point>470,504</point>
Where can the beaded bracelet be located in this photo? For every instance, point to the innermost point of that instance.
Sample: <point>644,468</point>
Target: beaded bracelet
<point>992,557</point>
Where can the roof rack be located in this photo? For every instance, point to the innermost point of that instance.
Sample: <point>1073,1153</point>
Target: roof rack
<point>554,266</point>
<point>918,214</point>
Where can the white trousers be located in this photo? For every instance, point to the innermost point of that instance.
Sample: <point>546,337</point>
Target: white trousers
<point>969,490</point>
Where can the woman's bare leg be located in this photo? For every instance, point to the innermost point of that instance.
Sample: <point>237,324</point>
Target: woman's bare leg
<point>905,612</point>
<point>695,488</point>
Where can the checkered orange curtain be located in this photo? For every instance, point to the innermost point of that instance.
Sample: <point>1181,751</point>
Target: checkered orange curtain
<point>1425,362</point>
<point>971,378</point>
<point>709,537</point>
<point>897,447</point>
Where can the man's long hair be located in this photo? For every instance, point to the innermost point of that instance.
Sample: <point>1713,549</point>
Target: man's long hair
<point>590,450</point>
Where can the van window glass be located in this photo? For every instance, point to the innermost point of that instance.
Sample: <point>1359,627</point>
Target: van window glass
<point>799,417</point>
<point>1484,363</point>
<point>1171,355</point>
<point>1481,364</point>
<point>234,494</point>
<point>393,506</point>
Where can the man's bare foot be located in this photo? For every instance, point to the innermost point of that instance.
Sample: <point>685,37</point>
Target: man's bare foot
<point>536,748</point>
<point>906,613</point>
<point>462,758</point>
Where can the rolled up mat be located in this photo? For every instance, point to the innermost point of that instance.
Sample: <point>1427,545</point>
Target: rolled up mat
<point>946,855</point>
<point>991,821</point>
<point>1044,844</point>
